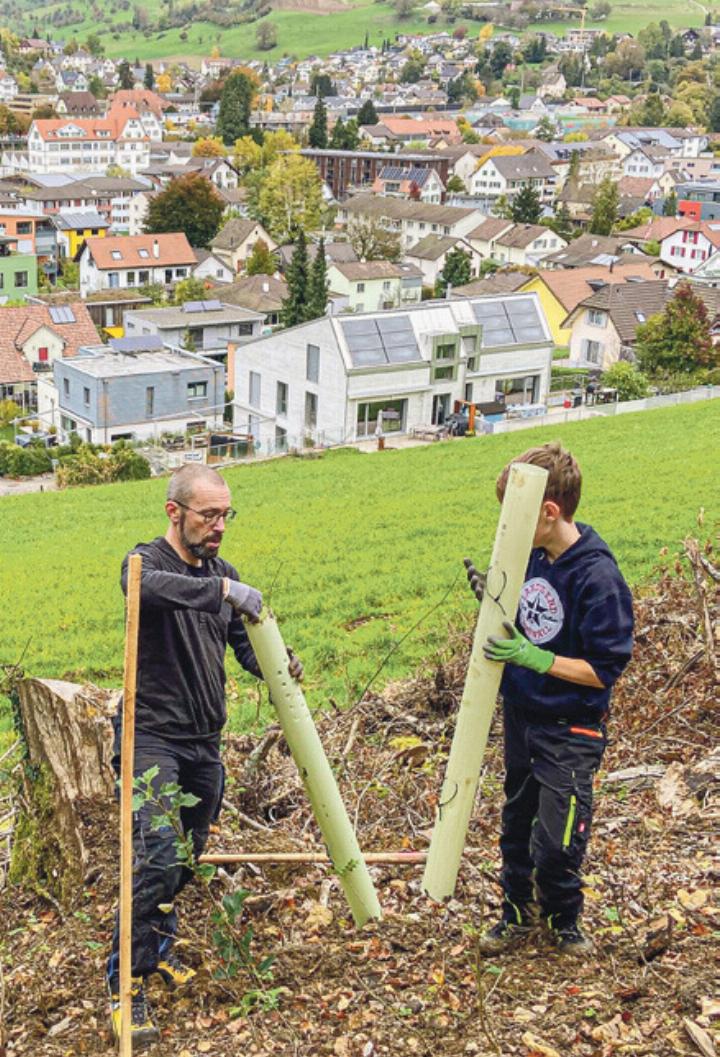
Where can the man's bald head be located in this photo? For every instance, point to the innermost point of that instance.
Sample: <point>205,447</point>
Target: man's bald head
<point>184,482</point>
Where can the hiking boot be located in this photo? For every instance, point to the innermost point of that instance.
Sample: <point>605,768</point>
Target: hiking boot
<point>143,1031</point>
<point>173,972</point>
<point>506,935</point>
<point>569,940</point>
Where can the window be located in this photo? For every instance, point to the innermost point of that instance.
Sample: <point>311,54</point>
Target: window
<point>149,401</point>
<point>168,275</point>
<point>393,417</point>
<point>311,406</point>
<point>597,318</point>
<point>386,286</point>
<point>281,399</point>
<point>143,278</point>
<point>254,426</point>
<point>280,439</point>
<point>144,254</point>
<point>445,351</point>
<point>312,363</point>
<point>66,387</point>
<point>113,280</point>
<point>441,373</point>
<point>195,390</point>
<point>360,288</point>
<point>254,395</point>
<point>86,396</point>
<point>131,278</point>
<point>116,255</point>
<point>43,355</point>
<point>592,351</point>
<point>24,227</point>
<point>21,279</point>
<point>469,392</point>
<point>471,363</point>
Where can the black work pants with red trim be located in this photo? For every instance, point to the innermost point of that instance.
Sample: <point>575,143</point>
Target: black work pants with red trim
<point>158,874</point>
<point>547,815</point>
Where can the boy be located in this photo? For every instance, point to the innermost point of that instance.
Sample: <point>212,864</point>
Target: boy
<point>571,641</point>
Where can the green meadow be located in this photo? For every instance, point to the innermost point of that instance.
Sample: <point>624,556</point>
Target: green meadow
<point>352,549</point>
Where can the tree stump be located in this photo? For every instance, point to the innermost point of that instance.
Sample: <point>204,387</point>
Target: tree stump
<point>67,779</point>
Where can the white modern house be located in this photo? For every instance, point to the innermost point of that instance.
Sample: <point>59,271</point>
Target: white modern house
<point>325,382</point>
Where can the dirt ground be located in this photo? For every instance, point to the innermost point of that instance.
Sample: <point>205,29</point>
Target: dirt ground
<point>414,983</point>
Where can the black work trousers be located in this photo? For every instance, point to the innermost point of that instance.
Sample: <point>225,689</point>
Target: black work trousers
<point>546,818</point>
<point>158,876</point>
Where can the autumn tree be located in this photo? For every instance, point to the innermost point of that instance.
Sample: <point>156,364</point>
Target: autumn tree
<point>236,104</point>
<point>261,260</point>
<point>189,203</point>
<point>677,340</point>
<point>209,147</point>
<point>605,207</point>
<point>456,271</point>
<point>291,196</point>
<point>371,241</point>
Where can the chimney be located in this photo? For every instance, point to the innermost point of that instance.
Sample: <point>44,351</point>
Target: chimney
<point>156,248</point>
<point>266,287</point>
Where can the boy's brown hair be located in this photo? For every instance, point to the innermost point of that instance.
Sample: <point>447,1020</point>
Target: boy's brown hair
<point>564,478</point>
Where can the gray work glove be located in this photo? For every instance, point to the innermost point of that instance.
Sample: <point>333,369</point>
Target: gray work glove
<point>295,666</point>
<point>245,599</point>
<point>475,579</point>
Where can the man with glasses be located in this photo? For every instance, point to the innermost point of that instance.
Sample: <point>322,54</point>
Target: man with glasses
<point>192,605</point>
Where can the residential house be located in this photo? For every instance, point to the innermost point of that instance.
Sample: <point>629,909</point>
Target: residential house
<point>33,233</point>
<point>500,282</point>
<point>367,285</point>
<point>328,380</point>
<point>604,325</point>
<point>561,290</point>
<point>505,175</point>
<point>146,105</point>
<point>32,338</point>
<point>134,260</point>
<point>552,83</point>
<point>593,249</point>
<point>18,271</point>
<point>8,87</point>
<point>211,268</point>
<point>234,243</point>
<point>74,227</point>
<point>82,144</point>
<point>699,199</point>
<point>420,185</point>
<point>207,327</point>
<point>411,221</point>
<point>106,396</point>
<point>390,131</point>
<point>258,293</point>
<point>684,244</point>
<point>109,195</point>
<point>430,254</point>
<point>526,245</point>
<point>77,104</point>
<point>106,308</point>
<point>335,252</point>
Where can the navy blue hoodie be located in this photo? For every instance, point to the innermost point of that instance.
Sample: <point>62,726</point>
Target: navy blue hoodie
<point>577,606</point>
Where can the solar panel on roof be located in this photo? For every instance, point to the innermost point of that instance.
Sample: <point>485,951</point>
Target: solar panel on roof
<point>211,306</point>
<point>192,306</point>
<point>62,314</point>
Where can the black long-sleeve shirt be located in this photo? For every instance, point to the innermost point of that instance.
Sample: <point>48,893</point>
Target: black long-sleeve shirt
<point>185,627</point>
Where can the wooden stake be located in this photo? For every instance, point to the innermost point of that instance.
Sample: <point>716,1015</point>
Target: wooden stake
<point>395,857</point>
<point>127,762</point>
<point>506,572</point>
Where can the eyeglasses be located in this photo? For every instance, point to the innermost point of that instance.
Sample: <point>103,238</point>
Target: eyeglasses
<point>210,517</point>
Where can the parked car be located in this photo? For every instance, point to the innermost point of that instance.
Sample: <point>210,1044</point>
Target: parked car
<point>24,440</point>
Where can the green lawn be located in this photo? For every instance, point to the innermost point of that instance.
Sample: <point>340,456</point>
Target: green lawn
<point>302,33</point>
<point>353,549</point>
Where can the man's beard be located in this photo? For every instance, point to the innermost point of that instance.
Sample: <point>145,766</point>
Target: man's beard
<point>198,550</point>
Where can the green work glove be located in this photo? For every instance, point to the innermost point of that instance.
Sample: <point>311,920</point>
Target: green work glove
<point>517,650</point>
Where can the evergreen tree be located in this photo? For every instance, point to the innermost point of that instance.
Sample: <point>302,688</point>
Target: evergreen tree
<point>526,207</point>
<point>562,223</point>
<point>367,114</point>
<point>318,134</point>
<point>456,272</point>
<point>605,208</point>
<point>337,140</point>
<point>714,114</point>
<point>235,107</point>
<point>546,130</point>
<point>318,285</point>
<point>125,77</point>
<point>294,306</point>
<point>149,78</point>
<point>678,338</point>
<point>671,205</point>
<point>653,112</point>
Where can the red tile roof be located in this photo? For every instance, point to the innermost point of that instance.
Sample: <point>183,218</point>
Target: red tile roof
<point>18,324</point>
<point>100,129</point>
<point>173,249</point>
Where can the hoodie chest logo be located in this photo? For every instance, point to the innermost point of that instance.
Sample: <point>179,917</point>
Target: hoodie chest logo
<point>541,611</point>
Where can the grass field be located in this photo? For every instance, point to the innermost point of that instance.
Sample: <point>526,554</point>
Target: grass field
<point>353,549</point>
<point>302,33</point>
